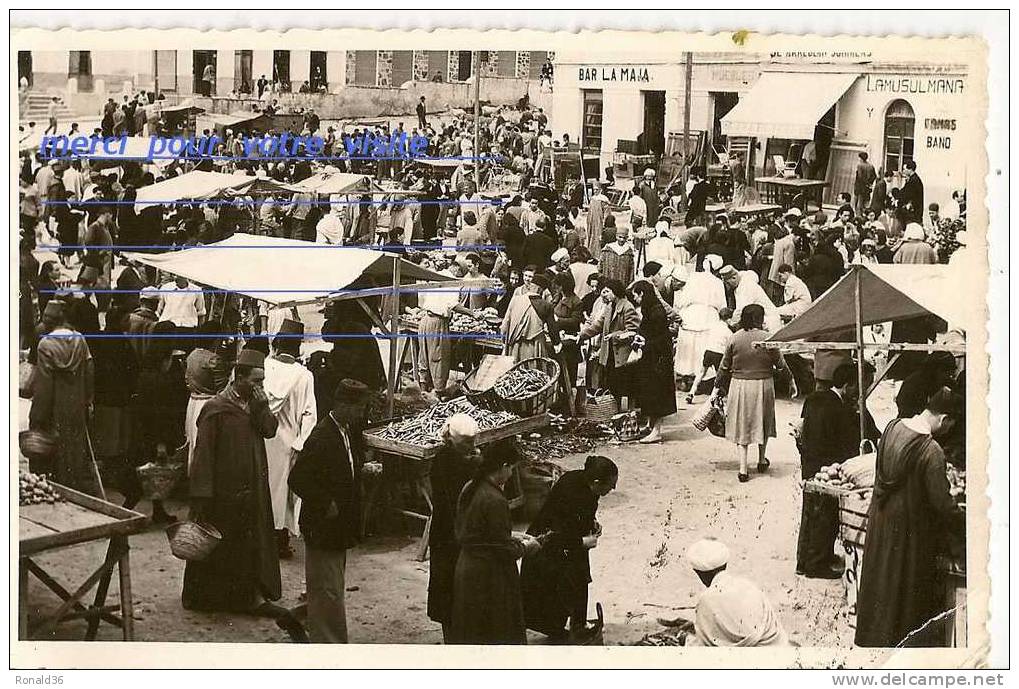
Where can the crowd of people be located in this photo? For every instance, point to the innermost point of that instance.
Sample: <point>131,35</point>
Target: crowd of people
<point>639,310</point>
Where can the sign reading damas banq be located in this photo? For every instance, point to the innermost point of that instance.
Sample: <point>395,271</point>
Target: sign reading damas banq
<point>625,73</point>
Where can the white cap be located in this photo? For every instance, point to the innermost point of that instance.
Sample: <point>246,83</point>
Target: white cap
<point>460,426</point>
<point>914,232</point>
<point>649,172</point>
<point>559,254</point>
<point>680,273</point>
<point>148,293</point>
<point>713,261</point>
<point>662,226</point>
<point>794,212</point>
<point>707,554</point>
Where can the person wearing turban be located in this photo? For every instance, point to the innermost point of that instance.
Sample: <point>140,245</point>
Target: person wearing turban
<point>733,611</point>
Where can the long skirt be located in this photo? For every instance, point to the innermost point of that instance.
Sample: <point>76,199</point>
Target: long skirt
<point>819,525</point>
<point>112,431</point>
<point>750,411</point>
<point>690,348</point>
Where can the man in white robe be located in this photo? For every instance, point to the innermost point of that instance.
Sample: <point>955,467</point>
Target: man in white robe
<point>290,388</point>
<point>746,291</point>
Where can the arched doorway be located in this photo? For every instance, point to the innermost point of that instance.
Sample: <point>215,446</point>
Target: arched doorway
<point>900,122</point>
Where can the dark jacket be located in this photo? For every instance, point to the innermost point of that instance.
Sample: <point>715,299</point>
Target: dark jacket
<point>879,197</point>
<point>911,199</point>
<point>326,478</point>
<point>538,250</point>
<point>829,432</point>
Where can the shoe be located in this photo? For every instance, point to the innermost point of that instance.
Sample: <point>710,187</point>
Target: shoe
<point>824,574</point>
<point>743,478</point>
<point>650,438</point>
<point>763,465</point>
<point>164,518</point>
<point>294,629</point>
<point>689,399</point>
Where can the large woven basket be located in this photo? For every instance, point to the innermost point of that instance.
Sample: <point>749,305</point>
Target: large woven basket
<point>477,386</point>
<point>36,444</point>
<point>159,480</point>
<point>537,402</point>
<point>601,406</point>
<point>192,541</point>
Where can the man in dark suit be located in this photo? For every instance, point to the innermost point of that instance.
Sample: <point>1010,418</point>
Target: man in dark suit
<point>864,179</point>
<point>827,437</point>
<point>326,476</point>
<point>539,246</point>
<point>911,194</point>
<point>422,115</point>
<point>879,197</point>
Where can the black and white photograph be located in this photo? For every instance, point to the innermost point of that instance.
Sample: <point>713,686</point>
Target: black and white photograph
<point>343,337</point>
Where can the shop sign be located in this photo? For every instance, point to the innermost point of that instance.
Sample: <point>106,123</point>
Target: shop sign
<point>938,135</point>
<point>627,73</point>
<point>950,86</point>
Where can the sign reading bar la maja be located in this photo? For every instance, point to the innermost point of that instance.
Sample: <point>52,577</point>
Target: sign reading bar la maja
<point>632,73</point>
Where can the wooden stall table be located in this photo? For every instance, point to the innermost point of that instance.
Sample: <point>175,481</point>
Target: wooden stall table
<point>754,210</point>
<point>412,346</point>
<point>412,464</point>
<point>782,190</point>
<point>712,210</point>
<point>79,519</point>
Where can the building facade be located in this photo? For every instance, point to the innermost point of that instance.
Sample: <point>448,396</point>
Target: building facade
<point>768,108</point>
<point>237,71</point>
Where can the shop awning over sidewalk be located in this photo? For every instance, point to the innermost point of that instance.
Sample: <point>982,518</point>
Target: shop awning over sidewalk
<point>786,105</point>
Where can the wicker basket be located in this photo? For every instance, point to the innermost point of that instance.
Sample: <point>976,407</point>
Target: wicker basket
<point>192,541</point>
<point>627,426</point>
<point>601,406</point>
<point>159,480</point>
<point>536,402</point>
<point>37,444</point>
<point>477,386</point>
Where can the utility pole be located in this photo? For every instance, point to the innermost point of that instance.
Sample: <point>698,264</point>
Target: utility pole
<point>155,72</point>
<point>688,79</point>
<point>476,57</point>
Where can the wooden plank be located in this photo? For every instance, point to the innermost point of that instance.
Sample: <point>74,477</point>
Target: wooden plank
<point>408,450</point>
<point>29,529</point>
<point>851,519</point>
<point>109,520</point>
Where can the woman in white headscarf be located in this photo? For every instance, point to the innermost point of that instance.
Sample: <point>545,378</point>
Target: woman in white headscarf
<point>697,305</point>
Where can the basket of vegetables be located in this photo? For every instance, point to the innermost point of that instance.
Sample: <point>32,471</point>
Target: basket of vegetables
<point>529,387</point>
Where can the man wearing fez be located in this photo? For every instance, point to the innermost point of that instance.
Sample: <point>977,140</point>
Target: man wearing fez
<point>229,489</point>
<point>326,476</point>
<point>290,388</point>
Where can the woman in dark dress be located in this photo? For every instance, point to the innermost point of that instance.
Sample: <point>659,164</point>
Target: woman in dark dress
<point>487,608</point>
<point>116,372</point>
<point>68,223</point>
<point>452,468</point>
<point>655,390</point>
<point>554,579</point>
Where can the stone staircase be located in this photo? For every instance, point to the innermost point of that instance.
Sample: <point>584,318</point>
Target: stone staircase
<point>33,108</point>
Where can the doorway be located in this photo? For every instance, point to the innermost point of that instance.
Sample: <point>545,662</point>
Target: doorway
<point>319,79</point>
<point>243,71</point>
<point>25,67</point>
<point>80,68</point>
<point>201,60</point>
<point>281,69</point>
<point>463,72</point>
<point>652,139</point>
<point>722,102</point>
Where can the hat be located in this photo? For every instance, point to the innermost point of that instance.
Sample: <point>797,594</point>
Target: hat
<point>914,232</point>
<point>868,242</point>
<point>649,172</point>
<point>350,391</point>
<point>961,237</point>
<point>291,327</point>
<point>707,554</point>
<point>662,226</point>
<point>148,293</point>
<point>460,426</point>
<point>680,273</point>
<point>251,358</point>
<point>793,212</point>
<point>726,271</point>
<point>713,261</point>
<point>559,254</point>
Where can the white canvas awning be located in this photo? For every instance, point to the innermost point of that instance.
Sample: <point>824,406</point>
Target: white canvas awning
<point>285,271</point>
<point>786,105</point>
<point>327,183</point>
<point>193,185</point>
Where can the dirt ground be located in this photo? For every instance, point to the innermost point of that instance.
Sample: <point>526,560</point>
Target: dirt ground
<point>668,496</point>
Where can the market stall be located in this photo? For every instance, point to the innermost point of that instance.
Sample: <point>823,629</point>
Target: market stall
<point>865,296</point>
<point>73,518</point>
<point>785,191</point>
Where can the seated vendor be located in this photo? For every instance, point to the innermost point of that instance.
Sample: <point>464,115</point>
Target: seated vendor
<point>733,611</point>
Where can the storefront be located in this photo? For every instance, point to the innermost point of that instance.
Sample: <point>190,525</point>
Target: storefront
<point>635,106</point>
<point>894,114</point>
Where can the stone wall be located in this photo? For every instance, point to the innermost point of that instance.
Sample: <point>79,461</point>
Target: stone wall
<point>523,64</point>
<point>349,66</point>
<point>453,73</point>
<point>420,65</point>
<point>490,64</point>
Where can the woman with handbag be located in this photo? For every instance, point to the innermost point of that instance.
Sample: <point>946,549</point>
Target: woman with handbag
<point>748,374</point>
<point>654,390</point>
<point>616,322</point>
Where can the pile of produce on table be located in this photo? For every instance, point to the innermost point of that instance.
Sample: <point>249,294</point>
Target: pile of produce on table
<point>835,476</point>
<point>520,383</point>
<point>462,323</point>
<point>956,482</point>
<point>36,490</point>
<point>566,436</point>
<point>424,428</point>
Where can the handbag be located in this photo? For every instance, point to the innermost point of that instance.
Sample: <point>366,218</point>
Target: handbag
<point>716,425</point>
<point>634,356</point>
